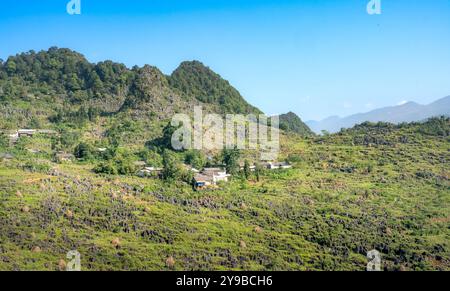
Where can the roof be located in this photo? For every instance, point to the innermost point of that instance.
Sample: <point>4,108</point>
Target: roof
<point>214,170</point>
<point>26,131</point>
<point>6,156</point>
<point>204,178</point>
<point>190,168</point>
<point>64,155</point>
<point>153,169</point>
<point>282,164</point>
<point>140,163</point>
<point>47,131</point>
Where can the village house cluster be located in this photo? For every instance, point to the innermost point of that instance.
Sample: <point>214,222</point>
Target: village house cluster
<point>29,133</point>
<point>208,178</point>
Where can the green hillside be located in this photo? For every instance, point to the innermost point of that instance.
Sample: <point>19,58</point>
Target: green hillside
<point>376,186</point>
<point>292,123</point>
<point>195,80</point>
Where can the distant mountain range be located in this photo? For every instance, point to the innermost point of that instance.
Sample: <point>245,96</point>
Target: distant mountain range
<point>407,112</point>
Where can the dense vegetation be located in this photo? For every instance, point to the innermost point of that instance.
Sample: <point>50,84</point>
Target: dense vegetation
<point>198,81</point>
<point>38,87</point>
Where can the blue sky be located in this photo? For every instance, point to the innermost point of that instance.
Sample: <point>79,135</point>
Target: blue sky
<point>316,58</point>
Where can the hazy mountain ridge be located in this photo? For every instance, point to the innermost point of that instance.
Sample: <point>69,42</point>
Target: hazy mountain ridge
<point>408,112</point>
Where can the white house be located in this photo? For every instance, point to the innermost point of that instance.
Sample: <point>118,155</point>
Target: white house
<point>209,177</point>
<point>278,165</point>
<point>149,172</point>
<point>218,174</point>
<point>26,132</point>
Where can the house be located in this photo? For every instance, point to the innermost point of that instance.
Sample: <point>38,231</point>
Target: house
<point>26,132</point>
<point>140,164</point>
<point>64,157</point>
<point>29,133</point>
<point>149,172</point>
<point>6,156</point>
<point>278,165</point>
<point>14,137</point>
<point>252,167</point>
<point>209,178</point>
<point>202,181</point>
<point>47,131</point>
<point>218,174</point>
<point>190,169</point>
<point>102,150</point>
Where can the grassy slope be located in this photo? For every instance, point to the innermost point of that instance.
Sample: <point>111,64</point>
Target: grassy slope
<point>341,200</point>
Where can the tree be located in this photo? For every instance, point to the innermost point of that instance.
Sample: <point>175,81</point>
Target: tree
<point>125,166</point>
<point>83,151</point>
<point>66,141</point>
<point>247,170</point>
<point>11,66</point>
<point>164,142</point>
<point>230,158</point>
<point>106,168</point>
<point>170,166</point>
<point>4,142</point>
<point>258,171</point>
<point>150,157</point>
<point>195,158</point>
<point>34,123</point>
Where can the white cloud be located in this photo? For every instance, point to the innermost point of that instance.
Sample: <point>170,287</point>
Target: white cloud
<point>402,102</point>
<point>369,105</point>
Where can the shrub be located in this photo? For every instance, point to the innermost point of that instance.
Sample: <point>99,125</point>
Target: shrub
<point>4,142</point>
<point>125,166</point>
<point>195,158</point>
<point>150,157</point>
<point>83,151</point>
<point>106,168</point>
<point>36,167</point>
<point>170,167</point>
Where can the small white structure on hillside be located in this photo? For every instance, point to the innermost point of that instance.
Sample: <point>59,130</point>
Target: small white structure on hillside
<point>209,177</point>
<point>150,172</point>
<point>190,169</point>
<point>140,164</point>
<point>252,167</point>
<point>278,165</point>
<point>26,132</point>
<point>218,174</point>
<point>64,157</point>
